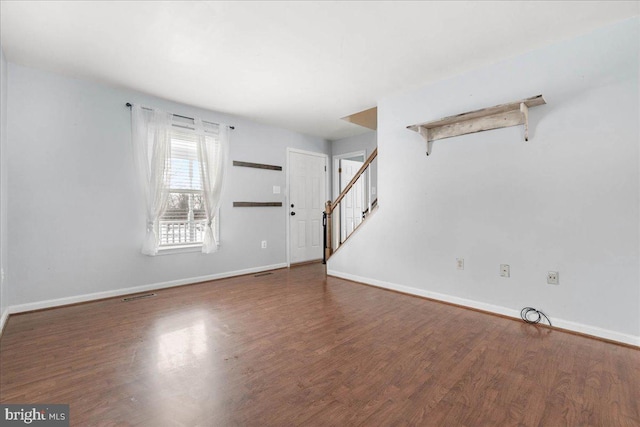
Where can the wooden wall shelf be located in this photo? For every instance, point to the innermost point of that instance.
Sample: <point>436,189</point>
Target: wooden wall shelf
<point>256,165</point>
<point>256,204</point>
<point>500,116</point>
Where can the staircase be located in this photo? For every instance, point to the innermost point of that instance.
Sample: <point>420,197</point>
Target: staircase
<point>351,208</point>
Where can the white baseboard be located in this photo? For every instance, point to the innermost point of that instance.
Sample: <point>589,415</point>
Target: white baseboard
<point>3,319</point>
<point>559,323</point>
<point>39,305</point>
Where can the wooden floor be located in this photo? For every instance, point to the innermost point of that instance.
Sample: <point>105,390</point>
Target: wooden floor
<point>297,348</point>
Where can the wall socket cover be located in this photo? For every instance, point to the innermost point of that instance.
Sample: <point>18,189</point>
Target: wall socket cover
<point>505,270</point>
<point>553,278</point>
<point>460,263</point>
<point>264,244</point>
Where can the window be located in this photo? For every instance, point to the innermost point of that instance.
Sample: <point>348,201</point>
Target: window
<point>184,220</point>
<point>181,166</point>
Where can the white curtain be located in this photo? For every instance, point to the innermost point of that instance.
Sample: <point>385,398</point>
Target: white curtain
<point>212,155</point>
<point>151,136</point>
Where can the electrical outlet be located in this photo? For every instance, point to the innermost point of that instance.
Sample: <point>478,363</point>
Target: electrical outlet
<point>505,270</point>
<point>264,244</point>
<point>460,263</point>
<point>553,278</point>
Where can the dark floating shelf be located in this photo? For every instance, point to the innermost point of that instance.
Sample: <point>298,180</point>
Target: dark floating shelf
<point>256,204</point>
<point>257,165</point>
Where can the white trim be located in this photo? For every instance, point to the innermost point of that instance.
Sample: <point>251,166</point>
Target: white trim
<point>3,319</point>
<point>136,289</point>
<point>337,231</point>
<point>311,153</point>
<point>559,323</point>
<point>288,191</point>
<point>171,250</point>
<point>335,159</point>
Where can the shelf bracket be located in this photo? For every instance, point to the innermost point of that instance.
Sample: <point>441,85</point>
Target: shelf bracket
<point>424,132</point>
<point>525,119</point>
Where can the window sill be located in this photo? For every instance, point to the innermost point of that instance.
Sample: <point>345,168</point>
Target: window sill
<point>171,250</point>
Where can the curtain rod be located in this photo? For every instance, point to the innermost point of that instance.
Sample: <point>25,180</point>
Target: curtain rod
<point>128,104</point>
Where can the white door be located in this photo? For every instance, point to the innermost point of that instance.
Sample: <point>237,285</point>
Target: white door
<point>307,196</point>
<point>352,205</point>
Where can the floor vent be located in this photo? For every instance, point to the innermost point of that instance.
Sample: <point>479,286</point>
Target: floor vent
<point>135,297</point>
<point>262,274</point>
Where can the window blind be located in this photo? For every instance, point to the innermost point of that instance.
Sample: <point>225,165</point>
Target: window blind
<point>184,219</point>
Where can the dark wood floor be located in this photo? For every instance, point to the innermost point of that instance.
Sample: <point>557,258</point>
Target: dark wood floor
<point>297,348</point>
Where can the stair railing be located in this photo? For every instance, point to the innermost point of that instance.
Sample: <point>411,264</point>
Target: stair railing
<point>334,232</point>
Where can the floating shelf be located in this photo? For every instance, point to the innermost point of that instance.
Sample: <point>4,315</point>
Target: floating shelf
<point>500,116</point>
<point>256,165</point>
<point>256,204</point>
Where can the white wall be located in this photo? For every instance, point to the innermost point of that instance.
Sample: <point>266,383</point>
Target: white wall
<point>567,201</point>
<point>75,210</point>
<point>366,141</point>
<point>3,190</point>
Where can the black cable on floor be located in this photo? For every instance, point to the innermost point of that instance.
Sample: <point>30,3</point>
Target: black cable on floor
<point>524,313</point>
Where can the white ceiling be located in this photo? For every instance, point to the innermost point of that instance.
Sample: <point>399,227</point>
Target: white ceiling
<point>297,65</point>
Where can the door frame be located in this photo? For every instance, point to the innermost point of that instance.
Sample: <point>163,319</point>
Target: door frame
<point>336,183</point>
<point>288,192</point>
<point>336,166</point>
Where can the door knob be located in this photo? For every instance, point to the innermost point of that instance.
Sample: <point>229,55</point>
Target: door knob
<point>293,213</point>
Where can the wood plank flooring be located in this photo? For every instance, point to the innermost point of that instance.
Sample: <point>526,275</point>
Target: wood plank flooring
<point>297,348</point>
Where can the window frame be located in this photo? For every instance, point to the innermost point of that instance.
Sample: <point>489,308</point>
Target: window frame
<point>166,249</point>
